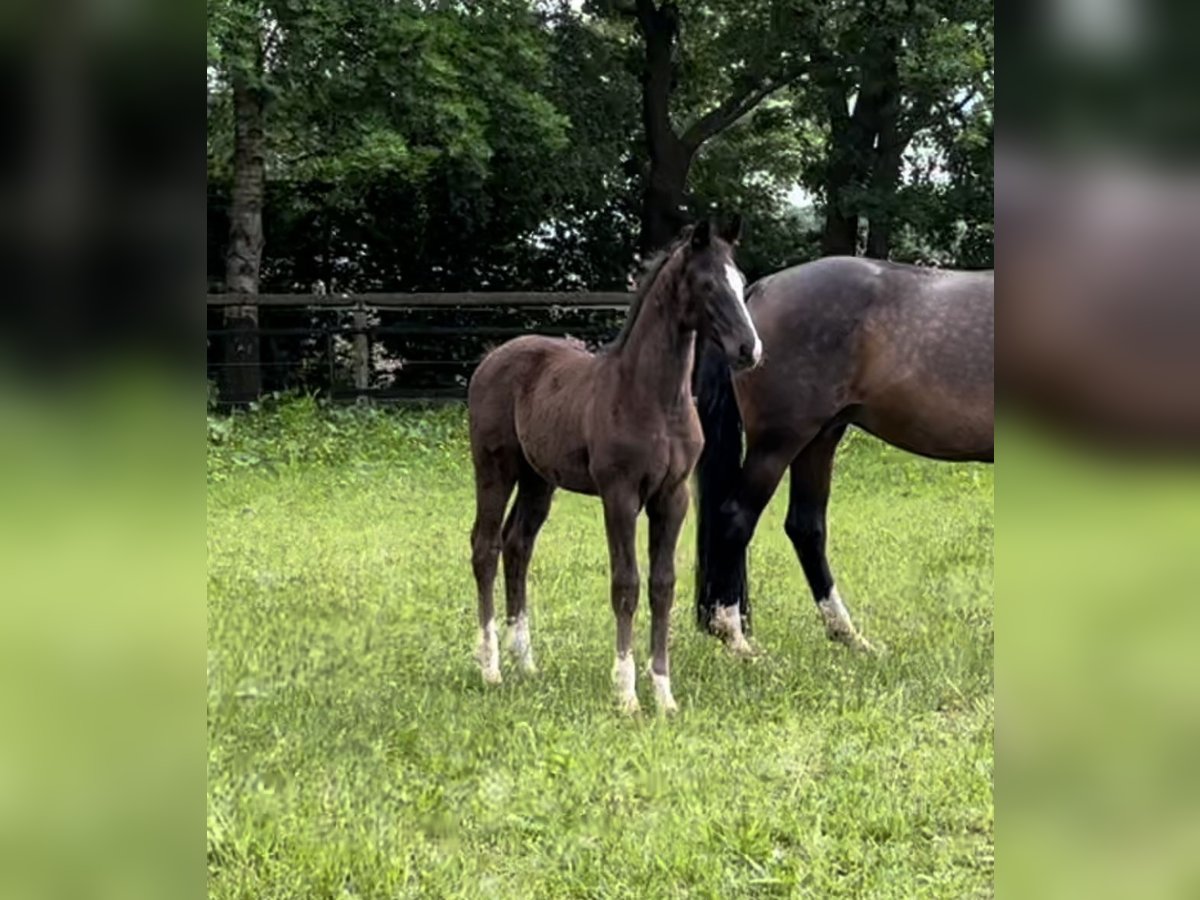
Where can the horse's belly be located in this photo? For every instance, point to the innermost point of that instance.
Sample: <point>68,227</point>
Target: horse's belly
<point>568,471</point>
<point>554,453</point>
<point>947,430</point>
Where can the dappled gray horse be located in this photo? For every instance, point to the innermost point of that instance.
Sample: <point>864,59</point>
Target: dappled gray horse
<point>903,352</point>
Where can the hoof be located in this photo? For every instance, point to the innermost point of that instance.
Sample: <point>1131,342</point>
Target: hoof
<point>838,626</point>
<point>664,700</point>
<point>623,676</point>
<point>740,648</point>
<point>727,625</point>
<point>629,705</point>
<point>854,641</point>
<point>519,647</point>
<point>522,658</point>
<point>487,654</point>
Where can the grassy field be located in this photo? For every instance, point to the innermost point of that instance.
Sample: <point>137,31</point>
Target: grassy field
<point>354,752</point>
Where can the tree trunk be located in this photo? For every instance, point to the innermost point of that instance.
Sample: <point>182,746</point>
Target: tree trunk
<point>662,204</point>
<point>863,147</point>
<point>885,179</point>
<point>670,159</point>
<point>840,234</point>
<point>242,379</point>
<point>888,154</point>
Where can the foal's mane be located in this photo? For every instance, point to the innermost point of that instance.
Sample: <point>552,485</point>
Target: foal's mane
<point>651,269</point>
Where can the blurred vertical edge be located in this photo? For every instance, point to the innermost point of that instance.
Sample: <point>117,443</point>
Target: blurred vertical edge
<point>101,555</point>
<point>1098,344</point>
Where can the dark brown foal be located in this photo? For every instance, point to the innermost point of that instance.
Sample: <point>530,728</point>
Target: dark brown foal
<point>545,413</point>
<point>902,352</point>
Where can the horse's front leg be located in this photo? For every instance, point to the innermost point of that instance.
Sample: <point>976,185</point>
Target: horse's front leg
<point>621,509</point>
<point>666,511</point>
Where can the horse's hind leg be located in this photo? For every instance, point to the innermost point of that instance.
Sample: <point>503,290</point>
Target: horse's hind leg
<point>495,475</point>
<point>766,461</point>
<point>528,515</point>
<point>812,471</point>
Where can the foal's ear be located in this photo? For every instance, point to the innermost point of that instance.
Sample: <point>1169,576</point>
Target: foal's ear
<point>732,232</point>
<point>701,234</point>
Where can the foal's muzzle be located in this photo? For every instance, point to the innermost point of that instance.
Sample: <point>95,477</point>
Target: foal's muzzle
<point>747,356</point>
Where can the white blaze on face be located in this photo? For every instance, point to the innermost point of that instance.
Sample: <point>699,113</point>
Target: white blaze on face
<point>737,284</point>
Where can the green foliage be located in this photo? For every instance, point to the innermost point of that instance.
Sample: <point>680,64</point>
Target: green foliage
<point>440,146</point>
<point>287,433</point>
<point>944,52</point>
<point>352,750</point>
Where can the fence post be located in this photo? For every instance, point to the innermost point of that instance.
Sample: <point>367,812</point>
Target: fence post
<point>362,349</point>
<point>241,377</point>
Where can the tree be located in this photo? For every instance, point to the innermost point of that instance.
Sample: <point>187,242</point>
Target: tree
<point>421,145</point>
<point>884,73</point>
<point>735,55</point>
<point>236,44</point>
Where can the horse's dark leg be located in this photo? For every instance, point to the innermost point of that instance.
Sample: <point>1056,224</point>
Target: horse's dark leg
<point>528,515</point>
<point>764,467</point>
<point>812,472</point>
<point>621,507</point>
<point>666,512</point>
<point>495,475</point>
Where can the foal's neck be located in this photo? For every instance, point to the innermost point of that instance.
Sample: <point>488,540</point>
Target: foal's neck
<point>657,356</point>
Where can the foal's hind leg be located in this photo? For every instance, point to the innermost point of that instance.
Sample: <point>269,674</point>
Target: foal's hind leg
<point>495,475</point>
<point>812,472</point>
<point>528,515</point>
<point>666,512</point>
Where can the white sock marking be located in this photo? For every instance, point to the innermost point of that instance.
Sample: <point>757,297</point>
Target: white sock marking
<point>625,679</point>
<point>837,617</point>
<point>488,653</point>
<point>837,622</point>
<point>727,622</point>
<point>519,644</point>
<point>662,692</point>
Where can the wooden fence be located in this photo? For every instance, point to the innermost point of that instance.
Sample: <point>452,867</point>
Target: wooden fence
<point>391,347</point>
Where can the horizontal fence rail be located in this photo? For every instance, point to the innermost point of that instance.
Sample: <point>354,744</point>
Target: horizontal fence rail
<point>616,300</point>
<point>390,347</point>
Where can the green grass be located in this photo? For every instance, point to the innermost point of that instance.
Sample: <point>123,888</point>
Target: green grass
<point>354,752</point>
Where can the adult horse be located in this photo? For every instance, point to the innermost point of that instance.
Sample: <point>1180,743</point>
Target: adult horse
<point>545,413</point>
<point>903,352</point>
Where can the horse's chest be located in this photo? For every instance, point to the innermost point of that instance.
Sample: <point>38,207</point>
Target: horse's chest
<point>661,455</point>
<point>684,441</point>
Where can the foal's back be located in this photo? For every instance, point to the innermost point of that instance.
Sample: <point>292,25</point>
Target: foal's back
<point>532,394</point>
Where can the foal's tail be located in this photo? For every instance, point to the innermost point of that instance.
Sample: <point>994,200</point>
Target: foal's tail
<point>719,575</point>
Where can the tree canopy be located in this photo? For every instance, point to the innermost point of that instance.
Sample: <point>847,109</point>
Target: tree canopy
<point>516,144</point>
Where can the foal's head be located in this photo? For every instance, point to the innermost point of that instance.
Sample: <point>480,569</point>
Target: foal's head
<point>715,291</point>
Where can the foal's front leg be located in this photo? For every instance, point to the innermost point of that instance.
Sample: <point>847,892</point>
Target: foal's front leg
<point>666,512</point>
<point>620,521</point>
